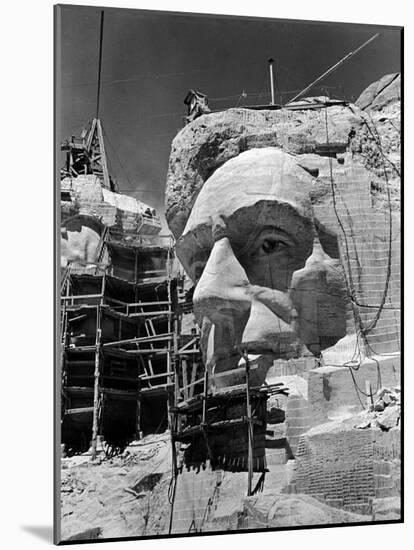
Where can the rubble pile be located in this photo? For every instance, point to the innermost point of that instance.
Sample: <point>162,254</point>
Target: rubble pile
<point>386,410</point>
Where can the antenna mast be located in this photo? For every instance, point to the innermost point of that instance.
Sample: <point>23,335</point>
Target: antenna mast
<point>272,90</point>
<point>99,65</point>
<point>95,142</point>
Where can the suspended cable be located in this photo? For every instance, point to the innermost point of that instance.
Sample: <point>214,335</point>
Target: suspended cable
<point>116,155</point>
<point>377,140</point>
<point>333,68</point>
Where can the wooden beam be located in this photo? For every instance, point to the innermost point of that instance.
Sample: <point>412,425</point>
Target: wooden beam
<point>74,412</point>
<point>198,381</point>
<point>96,386</point>
<point>90,135</point>
<point>250,432</point>
<point>193,377</point>
<point>138,340</point>
<point>158,351</point>
<point>97,396</point>
<point>78,318</point>
<point>188,352</point>
<point>138,417</point>
<point>192,341</point>
<point>152,376</point>
<point>80,297</point>
<point>103,153</point>
<point>205,395</point>
<point>157,303</point>
<point>150,313</point>
<point>185,381</point>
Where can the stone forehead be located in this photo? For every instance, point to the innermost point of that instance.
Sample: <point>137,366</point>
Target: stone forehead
<point>210,141</point>
<point>267,174</point>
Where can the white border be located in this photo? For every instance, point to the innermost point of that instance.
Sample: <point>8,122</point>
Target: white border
<point>27,280</point>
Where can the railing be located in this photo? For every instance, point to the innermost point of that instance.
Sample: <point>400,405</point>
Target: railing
<point>166,241</point>
<point>116,304</point>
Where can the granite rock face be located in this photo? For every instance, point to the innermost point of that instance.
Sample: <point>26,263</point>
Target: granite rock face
<point>368,131</point>
<point>251,193</point>
<point>382,93</point>
<point>87,208</point>
<point>85,195</point>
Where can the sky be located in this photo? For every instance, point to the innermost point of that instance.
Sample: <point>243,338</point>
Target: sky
<point>151,59</point>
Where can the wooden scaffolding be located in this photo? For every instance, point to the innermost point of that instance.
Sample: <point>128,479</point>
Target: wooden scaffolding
<point>87,155</point>
<point>117,344</point>
<point>226,426</point>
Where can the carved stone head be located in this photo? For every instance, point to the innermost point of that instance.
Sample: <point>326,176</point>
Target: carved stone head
<point>282,223</point>
<point>264,283</point>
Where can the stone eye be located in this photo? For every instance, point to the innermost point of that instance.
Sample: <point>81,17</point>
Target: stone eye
<point>270,246</point>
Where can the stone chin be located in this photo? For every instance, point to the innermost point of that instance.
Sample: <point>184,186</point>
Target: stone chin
<point>264,282</point>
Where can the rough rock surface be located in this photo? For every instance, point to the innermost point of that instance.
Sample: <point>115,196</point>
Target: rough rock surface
<point>128,496</point>
<point>349,467</point>
<point>380,93</point>
<point>122,496</point>
<point>85,195</point>
<point>370,133</point>
<point>386,411</point>
<point>270,511</point>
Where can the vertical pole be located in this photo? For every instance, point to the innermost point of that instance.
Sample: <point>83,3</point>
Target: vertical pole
<point>135,266</point>
<point>272,90</point>
<point>204,417</point>
<point>96,387</point>
<point>169,328</point>
<point>139,394</point>
<point>205,396</point>
<point>64,336</point>
<point>170,391</point>
<point>171,426</point>
<point>193,378</point>
<point>185,380</point>
<point>98,93</point>
<point>173,416</point>
<point>174,486</point>
<point>138,419</point>
<point>97,373</point>
<point>176,362</point>
<point>250,429</point>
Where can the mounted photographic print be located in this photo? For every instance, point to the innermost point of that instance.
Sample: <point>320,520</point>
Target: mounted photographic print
<point>228,274</point>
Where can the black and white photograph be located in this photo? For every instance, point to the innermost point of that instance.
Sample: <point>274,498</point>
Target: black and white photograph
<point>228,274</point>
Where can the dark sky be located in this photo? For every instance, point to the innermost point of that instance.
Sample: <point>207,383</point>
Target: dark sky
<point>150,60</point>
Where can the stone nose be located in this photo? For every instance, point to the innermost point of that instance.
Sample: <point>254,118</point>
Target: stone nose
<point>221,294</point>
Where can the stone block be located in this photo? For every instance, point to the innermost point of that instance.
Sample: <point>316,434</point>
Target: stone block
<point>332,393</point>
